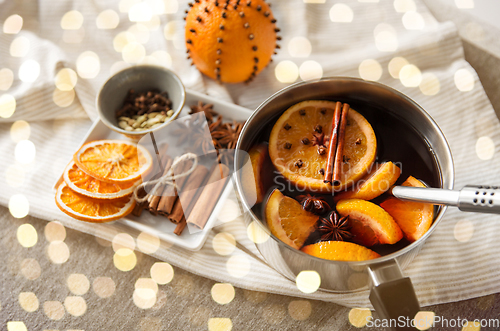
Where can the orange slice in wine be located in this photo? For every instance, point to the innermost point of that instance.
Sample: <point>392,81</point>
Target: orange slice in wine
<point>296,136</point>
<point>340,251</point>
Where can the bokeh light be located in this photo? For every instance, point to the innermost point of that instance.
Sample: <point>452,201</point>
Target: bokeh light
<point>78,284</point>
<point>310,70</point>
<point>148,243</point>
<point>88,65</point>
<point>19,47</point>
<point>30,269</point>
<point>370,69</point>
<point>27,235</point>
<point>220,324</point>
<point>58,252</point>
<point>463,230</point>
<point>485,148</point>
<point>104,287</point>
<point>471,326</point>
<point>386,38</point>
<point>55,231</point>
<point>29,71</point>
<point>410,75</point>
<point>170,29</point>
<point>256,233</point>
<point>16,326</point>
<point>403,6</point>
<point>300,310</point>
<point>395,66</point>
<point>162,273</point>
<point>359,317</point>
<point>224,243</point>
<point>163,58</point>
<point>341,13</point>
<point>6,79</point>
<point>19,207</point>
<point>7,105</point>
<point>63,98</point>
<point>424,320</point>
<point>430,84</point>
<point>133,52</point>
<point>171,7</point>
<point>13,24</point>
<point>140,12</point>
<point>107,19</point>
<point>223,293</point>
<point>122,39</point>
<point>76,306</point>
<point>238,266</point>
<point>145,291</point>
<point>53,309</point>
<point>123,240</point>
<point>308,281</point>
<point>140,32</point>
<point>25,151</point>
<point>464,81</point>
<point>124,259</point>
<point>412,20</point>
<point>72,20</point>
<point>299,47</point>
<point>66,79</point>
<point>20,130</point>
<point>286,71</point>
<point>28,301</point>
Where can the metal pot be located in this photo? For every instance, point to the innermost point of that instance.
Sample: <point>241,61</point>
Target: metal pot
<point>391,294</point>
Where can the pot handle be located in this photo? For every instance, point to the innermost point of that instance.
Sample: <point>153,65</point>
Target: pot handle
<point>392,295</point>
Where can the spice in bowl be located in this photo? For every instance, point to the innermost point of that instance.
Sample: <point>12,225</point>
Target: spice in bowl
<point>144,110</point>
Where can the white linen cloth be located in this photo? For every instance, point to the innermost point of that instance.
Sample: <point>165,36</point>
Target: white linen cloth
<point>351,38</point>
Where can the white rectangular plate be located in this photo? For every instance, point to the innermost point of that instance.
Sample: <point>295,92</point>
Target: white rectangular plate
<point>158,225</point>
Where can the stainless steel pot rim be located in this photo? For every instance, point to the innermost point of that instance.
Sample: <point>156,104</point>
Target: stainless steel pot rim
<point>381,259</point>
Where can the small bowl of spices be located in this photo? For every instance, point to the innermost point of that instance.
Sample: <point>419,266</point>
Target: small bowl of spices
<point>140,99</point>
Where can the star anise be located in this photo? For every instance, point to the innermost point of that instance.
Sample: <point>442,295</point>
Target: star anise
<point>313,204</point>
<point>318,139</point>
<point>207,109</point>
<point>227,134</point>
<point>335,227</point>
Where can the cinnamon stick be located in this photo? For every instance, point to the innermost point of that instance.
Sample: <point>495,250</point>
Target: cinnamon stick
<point>190,190</point>
<point>169,195</point>
<point>139,206</point>
<point>340,146</point>
<point>333,143</point>
<point>180,227</point>
<point>155,200</point>
<point>208,198</point>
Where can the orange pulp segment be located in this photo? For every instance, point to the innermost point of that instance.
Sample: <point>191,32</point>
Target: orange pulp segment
<point>92,210</point>
<point>414,218</point>
<point>370,224</point>
<point>379,180</point>
<point>252,182</point>
<point>113,161</point>
<point>340,251</point>
<point>287,220</point>
<point>301,163</point>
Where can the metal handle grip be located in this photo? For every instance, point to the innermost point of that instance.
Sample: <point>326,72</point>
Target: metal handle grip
<point>480,199</point>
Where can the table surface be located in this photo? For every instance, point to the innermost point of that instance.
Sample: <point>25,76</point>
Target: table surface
<point>183,301</point>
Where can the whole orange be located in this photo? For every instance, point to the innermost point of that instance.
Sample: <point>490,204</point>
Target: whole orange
<point>230,40</point>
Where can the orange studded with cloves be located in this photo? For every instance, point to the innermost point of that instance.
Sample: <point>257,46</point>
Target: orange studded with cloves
<point>231,40</point>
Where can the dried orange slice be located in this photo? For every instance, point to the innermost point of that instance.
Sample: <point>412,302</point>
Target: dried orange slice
<point>88,209</point>
<point>414,218</point>
<point>379,180</point>
<point>287,220</point>
<point>340,251</point>
<point>80,182</point>
<point>293,151</point>
<point>252,182</point>
<point>113,161</point>
<point>370,224</point>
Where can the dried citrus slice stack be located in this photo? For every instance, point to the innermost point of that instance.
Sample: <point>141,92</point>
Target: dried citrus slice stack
<point>296,139</point>
<point>340,251</point>
<point>80,182</point>
<point>287,220</point>
<point>113,161</point>
<point>414,218</point>
<point>92,210</point>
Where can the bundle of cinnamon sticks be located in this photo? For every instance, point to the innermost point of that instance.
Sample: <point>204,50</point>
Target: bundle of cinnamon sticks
<point>194,199</point>
<point>336,147</point>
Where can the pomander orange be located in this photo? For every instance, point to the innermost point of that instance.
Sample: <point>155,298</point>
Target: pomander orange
<point>230,40</point>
